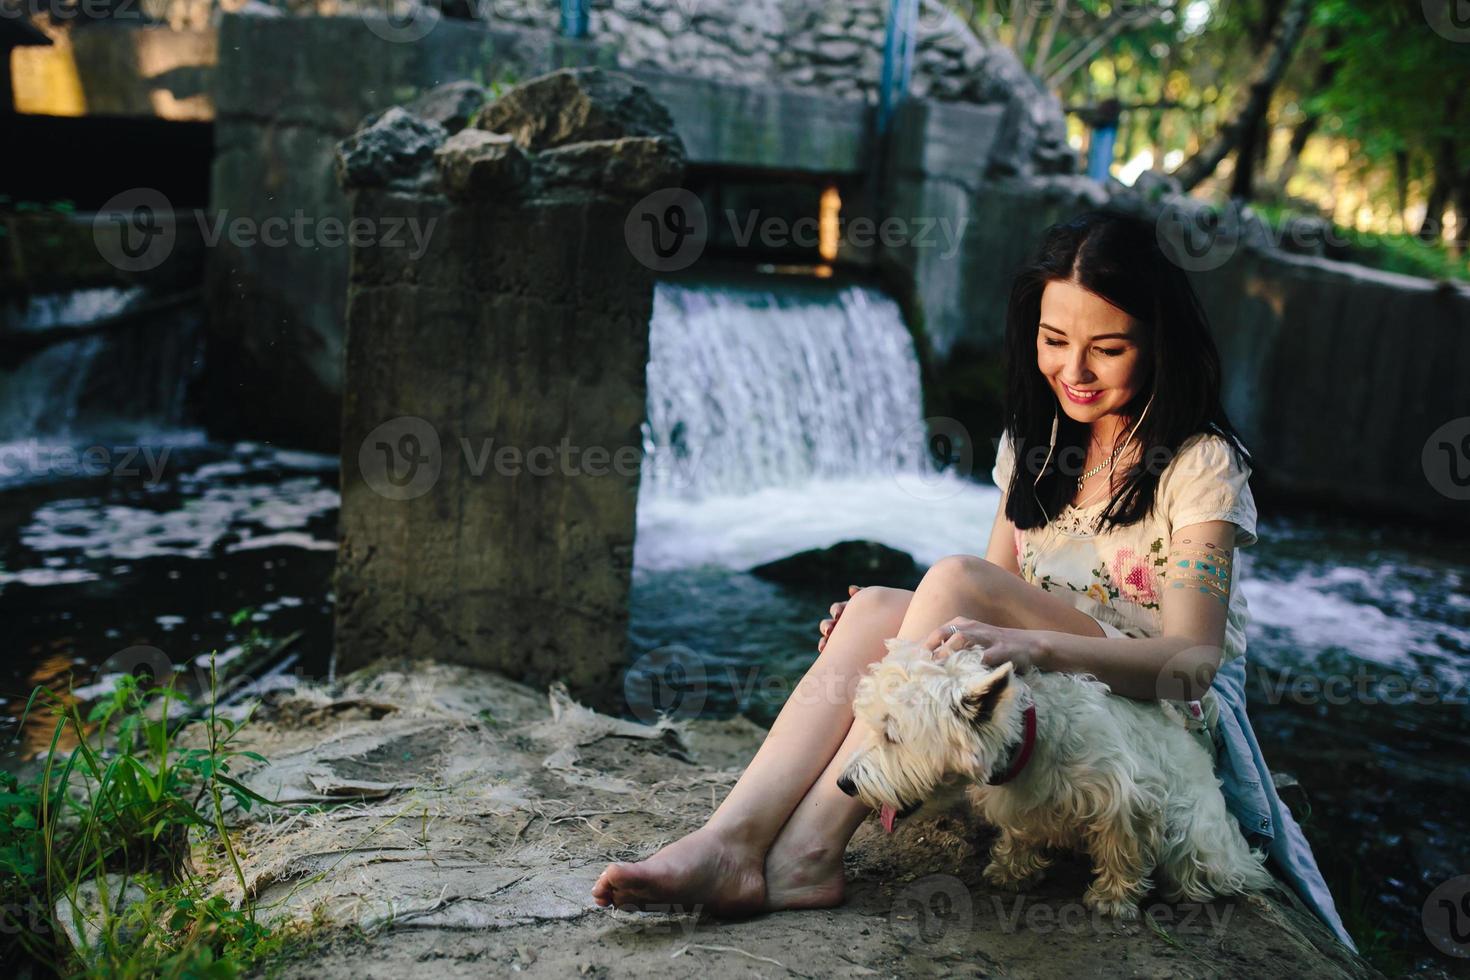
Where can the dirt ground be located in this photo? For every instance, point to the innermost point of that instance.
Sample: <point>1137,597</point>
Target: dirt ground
<point>451,823</point>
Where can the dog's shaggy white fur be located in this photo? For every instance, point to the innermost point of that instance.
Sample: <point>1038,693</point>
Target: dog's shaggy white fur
<point>1118,778</point>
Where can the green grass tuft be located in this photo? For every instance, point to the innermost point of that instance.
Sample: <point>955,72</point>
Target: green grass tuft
<point>102,837</point>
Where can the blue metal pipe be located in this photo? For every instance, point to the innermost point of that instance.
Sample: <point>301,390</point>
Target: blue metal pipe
<point>574,18</point>
<point>898,57</point>
<point>1100,151</point>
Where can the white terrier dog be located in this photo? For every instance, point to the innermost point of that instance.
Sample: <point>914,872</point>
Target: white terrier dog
<point>1057,762</point>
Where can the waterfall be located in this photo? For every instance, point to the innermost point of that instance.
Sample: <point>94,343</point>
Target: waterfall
<point>131,378</point>
<point>40,396</point>
<point>790,416</point>
<point>766,386</point>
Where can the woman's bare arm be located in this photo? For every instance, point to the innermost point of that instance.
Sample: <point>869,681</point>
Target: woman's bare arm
<point>1180,663</point>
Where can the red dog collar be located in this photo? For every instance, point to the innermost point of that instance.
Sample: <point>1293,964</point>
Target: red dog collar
<point>1023,751</point>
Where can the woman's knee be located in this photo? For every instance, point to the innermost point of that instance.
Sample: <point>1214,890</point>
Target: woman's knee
<point>960,576</point>
<point>876,611</point>
<point>878,602</point>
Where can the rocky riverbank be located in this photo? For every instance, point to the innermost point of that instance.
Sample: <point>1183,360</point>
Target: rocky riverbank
<point>447,817</point>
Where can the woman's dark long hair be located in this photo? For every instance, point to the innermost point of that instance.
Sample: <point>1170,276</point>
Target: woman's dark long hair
<point>1117,257</point>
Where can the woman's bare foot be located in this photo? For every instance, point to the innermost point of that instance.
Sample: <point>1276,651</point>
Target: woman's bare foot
<point>702,872</point>
<point>803,875</point>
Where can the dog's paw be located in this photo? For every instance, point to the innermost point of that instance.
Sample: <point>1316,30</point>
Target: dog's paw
<point>1111,905</point>
<point>1008,877</point>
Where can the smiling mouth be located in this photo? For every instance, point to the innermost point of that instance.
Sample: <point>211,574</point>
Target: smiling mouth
<point>1080,396</point>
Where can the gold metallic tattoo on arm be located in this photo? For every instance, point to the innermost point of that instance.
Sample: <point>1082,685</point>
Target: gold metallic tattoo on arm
<point>1200,567</point>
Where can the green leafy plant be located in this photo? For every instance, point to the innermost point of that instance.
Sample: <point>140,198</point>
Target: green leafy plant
<point>95,848</point>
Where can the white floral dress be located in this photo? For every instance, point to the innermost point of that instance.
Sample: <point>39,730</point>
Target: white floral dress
<point>1117,576</point>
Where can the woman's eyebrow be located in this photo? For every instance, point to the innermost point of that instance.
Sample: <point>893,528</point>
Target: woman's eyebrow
<point>1101,336</point>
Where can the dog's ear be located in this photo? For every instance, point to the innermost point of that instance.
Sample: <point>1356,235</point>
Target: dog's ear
<point>980,696</point>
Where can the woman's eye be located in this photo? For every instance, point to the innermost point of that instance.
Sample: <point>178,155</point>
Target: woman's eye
<point>1110,351</point>
<point>1056,343</point>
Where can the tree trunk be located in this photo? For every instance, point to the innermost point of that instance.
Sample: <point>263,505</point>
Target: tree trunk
<point>1078,53</point>
<point>1462,217</point>
<point>1431,229</point>
<point>1447,177</point>
<point>1299,137</point>
<point>1247,158</point>
<point>1022,40</point>
<point>1265,76</point>
<point>1401,183</point>
<point>1326,72</point>
<point>1048,38</point>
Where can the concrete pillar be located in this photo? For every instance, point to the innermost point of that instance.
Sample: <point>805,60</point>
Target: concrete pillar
<point>495,383</point>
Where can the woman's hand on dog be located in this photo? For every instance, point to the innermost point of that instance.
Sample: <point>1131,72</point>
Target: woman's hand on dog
<point>1022,648</point>
<point>826,626</point>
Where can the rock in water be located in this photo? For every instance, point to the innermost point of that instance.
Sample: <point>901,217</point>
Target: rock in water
<point>845,563</point>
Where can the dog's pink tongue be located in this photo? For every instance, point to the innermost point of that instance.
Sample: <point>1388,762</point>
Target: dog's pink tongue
<point>887,815</point>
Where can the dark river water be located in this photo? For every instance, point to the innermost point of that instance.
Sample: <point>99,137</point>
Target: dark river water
<point>1359,642</point>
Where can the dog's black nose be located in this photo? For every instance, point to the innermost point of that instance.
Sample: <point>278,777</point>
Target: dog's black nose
<point>845,783</point>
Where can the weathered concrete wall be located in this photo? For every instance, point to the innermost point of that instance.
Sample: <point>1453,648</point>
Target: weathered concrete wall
<point>287,90</point>
<point>729,124</point>
<point>495,389</point>
<point>1338,375</point>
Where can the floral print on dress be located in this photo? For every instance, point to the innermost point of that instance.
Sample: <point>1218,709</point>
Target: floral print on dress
<point>1117,575</point>
<point>1134,574</point>
<point>1127,578</point>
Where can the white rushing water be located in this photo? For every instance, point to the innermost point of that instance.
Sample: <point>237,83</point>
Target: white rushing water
<point>789,417</point>
<point>752,387</point>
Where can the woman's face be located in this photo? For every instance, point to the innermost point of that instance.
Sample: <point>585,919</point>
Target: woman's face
<point>1089,351</point>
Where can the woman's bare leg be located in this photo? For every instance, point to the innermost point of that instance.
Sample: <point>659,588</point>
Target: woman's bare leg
<point>804,865</point>
<point>721,866</point>
<point>777,840</point>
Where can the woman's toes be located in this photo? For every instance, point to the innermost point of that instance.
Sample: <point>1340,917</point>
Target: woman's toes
<point>603,891</point>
